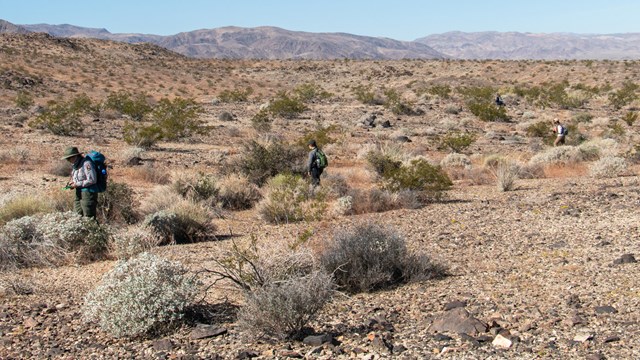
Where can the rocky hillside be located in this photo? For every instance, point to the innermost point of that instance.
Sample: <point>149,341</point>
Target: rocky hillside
<point>520,46</point>
<point>261,43</point>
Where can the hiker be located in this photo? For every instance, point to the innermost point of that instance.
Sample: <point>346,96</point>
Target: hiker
<point>499,100</point>
<point>84,181</point>
<point>561,132</point>
<point>314,170</point>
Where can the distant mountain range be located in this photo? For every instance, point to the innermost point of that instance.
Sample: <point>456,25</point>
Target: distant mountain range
<point>275,43</point>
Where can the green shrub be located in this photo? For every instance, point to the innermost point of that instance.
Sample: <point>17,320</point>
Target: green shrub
<point>431,181</point>
<point>457,142</point>
<point>51,239</point>
<point>309,92</point>
<point>396,104</point>
<point>285,106</point>
<point>117,205</point>
<point>539,129</point>
<point>143,136</point>
<point>283,309</point>
<point>178,118</point>
<point>24,100</point>
<point>442,91</point>
<point>624,96</point>
<point>382,164</point>
<point>365,95</point>
<point>235,95</point>
<point>133,105</point>
<point>260,162</point>
<point>141,297</point>
<point>476,94</point>
<point>322,136</point>
<point>630,117</point>
<point>369,257</point>
<point>63,118</point>
<point>488,111</point>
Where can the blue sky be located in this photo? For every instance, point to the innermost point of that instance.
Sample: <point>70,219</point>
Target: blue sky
<point>397,19</point>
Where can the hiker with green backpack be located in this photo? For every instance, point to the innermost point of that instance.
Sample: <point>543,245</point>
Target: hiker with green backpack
<point>316,164</point>
<point>88,178</point>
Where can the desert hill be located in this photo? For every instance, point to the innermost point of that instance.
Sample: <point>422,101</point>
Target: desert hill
<point>534,46</point>
<point>543,266</point>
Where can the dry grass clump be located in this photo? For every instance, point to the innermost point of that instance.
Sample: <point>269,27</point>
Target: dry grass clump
<point>24,205</point>
<point>369,257</point>
<point>50,240</point>
<point>140,297</point>
<point>131,241</point>
<point>128,155</point>
<point>608,167</point>
<point>150,174</point>
<point>161,198</point>
<point>183,222</point>
<point>196,186</point>
<point>506,175</point>
<point>117,205</point>
<point>336,184</point>
<point>453,160</point>
<point>14,155</point>
<point>288,198</point>
<point>374,200</point>
<point>237,193</point>
<point>60,168</point>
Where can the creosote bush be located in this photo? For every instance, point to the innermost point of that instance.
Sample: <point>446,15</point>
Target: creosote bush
<point>64,117</point>
<point>457,142</point>
<point>488,111</point>
<point>288,199</point>
<point>396,104</point>
<point>310,92</point>
<point>369,257</point>
<point>134,105</point>
<point>144,296</point>
<point>52,239</point>
<point>235,95</point>
<point>420,176</point>
<point>286,106</point>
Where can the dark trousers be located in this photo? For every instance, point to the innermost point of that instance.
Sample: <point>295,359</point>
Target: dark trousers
<point>86,203</point>
<point>315,176</point>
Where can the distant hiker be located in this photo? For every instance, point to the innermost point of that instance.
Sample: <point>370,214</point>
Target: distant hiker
<point>499,100</point>
<point>316,164</point>
<point>561,132</point>
<point>84,180</point>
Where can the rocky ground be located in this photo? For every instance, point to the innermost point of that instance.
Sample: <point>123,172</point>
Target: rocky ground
<point>545,271</point>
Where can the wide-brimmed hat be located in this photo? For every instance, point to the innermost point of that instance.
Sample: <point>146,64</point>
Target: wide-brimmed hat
<point>70,152</point>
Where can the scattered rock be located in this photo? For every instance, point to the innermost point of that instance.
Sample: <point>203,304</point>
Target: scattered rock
<point>595,357</point>
<point>625,259</point>
<point>317,340</point>
<point>442,337</point>
<point>402,139</point>
<point>611,339</point>
<point>203,331</point>
<point>162,345</point>
<point>583,336</point>
<point>605,310</point>
<point>226,116</point>
<point>458,320</point>
<point>454,304</point>
<point>386,124</point>
<point>501,342</point>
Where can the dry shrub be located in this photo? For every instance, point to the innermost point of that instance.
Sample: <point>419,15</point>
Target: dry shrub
<point>150,174</point>
<point>597,148</point>
<point>196,186</point>
<point>117,205</point>
<point>608,167</point>
<point>141,297</point>
<point>237,193</point>
<point>374,200</point>
<point>532,171</point>
<point>60,168</point>
<point>282,288</point>
<point>369,257</point>
<point>283,309</point>
<point>564,171</point>
<point>128,155</point>
<point>15,155</point>
<point>474,175</point>
<point>336,185</point>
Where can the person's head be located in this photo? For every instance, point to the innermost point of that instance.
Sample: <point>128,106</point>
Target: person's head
<point>71,154</point>
<point>556,121</point>
<point>312,144</point>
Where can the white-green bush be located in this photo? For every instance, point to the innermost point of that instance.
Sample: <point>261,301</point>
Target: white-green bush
<point>51,239</point>
<point>142,296</point>
<point>608,167</point>
<point>558,155</point>
<point>597,148</point>
<point>456,160</point>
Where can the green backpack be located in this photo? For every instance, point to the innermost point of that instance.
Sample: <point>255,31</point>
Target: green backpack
<point>321,159</point>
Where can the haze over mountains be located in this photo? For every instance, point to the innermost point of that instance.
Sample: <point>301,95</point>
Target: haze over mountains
<point>276,43</point>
